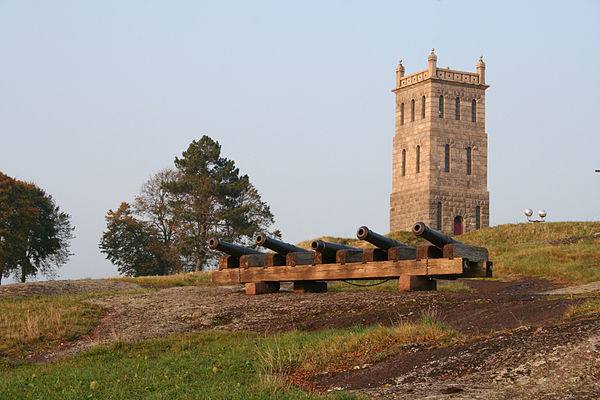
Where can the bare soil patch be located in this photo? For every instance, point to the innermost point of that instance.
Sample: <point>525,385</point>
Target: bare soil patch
<point>519,347</point>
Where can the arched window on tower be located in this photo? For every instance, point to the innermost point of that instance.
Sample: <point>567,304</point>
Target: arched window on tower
<point>457,109</point>
<point>402,114</point>
<point>441,107</point>
<point>473,111</point>
<point>447,158</point>
<point>418,168</point>
<point>468,160</point>
<point>477,217</point>
<point>412,110</point>
<point>403,162</point>
<point>423,107</point>
<point>438,217</point>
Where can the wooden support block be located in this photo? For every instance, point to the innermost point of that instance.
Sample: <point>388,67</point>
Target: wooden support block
<point>262,287</point>
<point>410,283</point>
<point>476,269</point>
<point>348,256</point>
<point>252,260</point>
<point>310,286</point>
<point>299,258</point>
<point>370,255</point>
<point>274,260</point>
<point>401,253</point>
<point>471,253</point>
<point>320,258</point>
<point>228,262</point>
<point>428,251</point>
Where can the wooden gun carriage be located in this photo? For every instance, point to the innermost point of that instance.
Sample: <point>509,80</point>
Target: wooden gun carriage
<point>416,268</point>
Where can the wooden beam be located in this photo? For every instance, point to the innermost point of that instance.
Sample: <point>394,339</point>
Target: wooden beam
<point>310,286</point>
<point>370,270</point>
<point>274,260</point>
<point>348,256</point>
<point>252,260</point>
<point>402,253</point>
<point>428,251</point>
<point>299,258</point>
<point>411,283</point>
<point>471,253</point>
<point>262,287</point>
<point>228,262</point>
<point>375,255</point>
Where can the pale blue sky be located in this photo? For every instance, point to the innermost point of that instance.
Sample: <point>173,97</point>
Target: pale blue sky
<point>95,97</point>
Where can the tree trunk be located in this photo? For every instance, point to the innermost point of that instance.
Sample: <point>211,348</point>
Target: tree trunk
<point>22,274</point>
<point>198,265</point>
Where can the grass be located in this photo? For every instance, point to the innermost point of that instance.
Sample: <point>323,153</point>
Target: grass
<point>161,281</point>
<point>524,249</point>
<point>588,308</point>
<point>363,285</point>
<point>453,286</point>
<point>32,324</point>
<point>212,364</point>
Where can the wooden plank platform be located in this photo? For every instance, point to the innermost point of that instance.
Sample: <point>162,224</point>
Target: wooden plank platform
<point>335,271</point>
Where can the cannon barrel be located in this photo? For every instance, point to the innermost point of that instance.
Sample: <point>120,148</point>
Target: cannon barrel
<point>385,243</point>
<point>329,249</point>
<point>438,239</point>
<point>234,250</point>
<point>277,245</point>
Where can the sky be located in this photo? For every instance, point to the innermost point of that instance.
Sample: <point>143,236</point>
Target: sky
<point>96,97</point>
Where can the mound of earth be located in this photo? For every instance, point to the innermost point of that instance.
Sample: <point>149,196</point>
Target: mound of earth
<point>524,347</point>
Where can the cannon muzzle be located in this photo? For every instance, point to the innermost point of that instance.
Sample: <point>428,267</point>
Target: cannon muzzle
<point>277,245</point>
<point>234,250</point>
<point>385,243</point>
<point>438,239</point>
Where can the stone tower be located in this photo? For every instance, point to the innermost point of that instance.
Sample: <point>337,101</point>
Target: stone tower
<point>440,150</point>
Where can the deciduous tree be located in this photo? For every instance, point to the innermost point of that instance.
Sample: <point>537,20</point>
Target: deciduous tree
<point>34,234</point>
<point>134,245</point>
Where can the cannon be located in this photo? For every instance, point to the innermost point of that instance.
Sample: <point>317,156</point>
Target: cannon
<point>384,243</point>
<point>277,245</point>
<point>328,252</point>
<point>237,256</point>
<point>438,239</point>
<point>287,254</point>
<point>234,250</point>
<point>443,246</point>
<point>387,249</point>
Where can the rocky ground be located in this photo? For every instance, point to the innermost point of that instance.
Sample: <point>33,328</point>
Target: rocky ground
<point>524,347</point>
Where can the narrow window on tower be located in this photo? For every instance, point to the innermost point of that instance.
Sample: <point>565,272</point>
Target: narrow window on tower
<point>412,110</point>
<point>468,160</point>
<point>418,169</point>
<point>473,111</point>
<point>439,217</point>
<point>447,158</point>
<point>403,162</point>
<point>477,217</point>
<point>457,109</point>
<point>423,107</point>
<point>402,114</point>
<point>441,107</point>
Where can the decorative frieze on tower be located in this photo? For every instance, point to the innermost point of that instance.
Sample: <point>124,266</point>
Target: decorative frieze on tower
<point>440,150</point>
